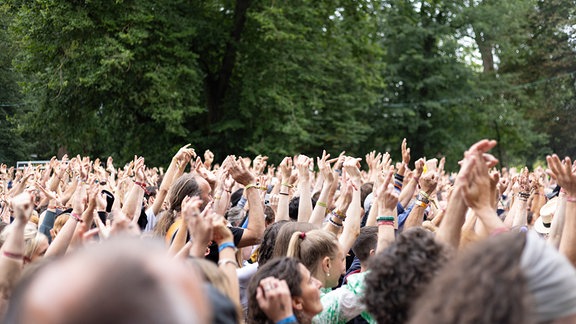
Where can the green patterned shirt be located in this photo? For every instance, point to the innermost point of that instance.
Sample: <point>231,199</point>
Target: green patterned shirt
<point>345,303</point>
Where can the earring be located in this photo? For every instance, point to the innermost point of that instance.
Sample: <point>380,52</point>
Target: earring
<point>327,274</point>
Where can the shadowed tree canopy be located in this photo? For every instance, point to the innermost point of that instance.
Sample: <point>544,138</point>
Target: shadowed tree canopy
<point>284,77</point>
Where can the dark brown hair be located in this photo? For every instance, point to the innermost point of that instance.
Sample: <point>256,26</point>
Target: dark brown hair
<point>399,274</point>
<point>483,285</point>
<point>280,268</point>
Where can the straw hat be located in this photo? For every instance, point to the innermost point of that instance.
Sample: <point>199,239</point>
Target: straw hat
<point>544,222</point>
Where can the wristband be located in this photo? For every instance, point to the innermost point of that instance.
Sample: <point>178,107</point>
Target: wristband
<point>421,204</point>
<point>331,221</point>
<point>424,194</point>
<point>226,245</point>
<point>381,223</point>
<point>76,217</point>
<point>222,262</point>
<point>288,320</point>
<point>254,185</point>
<point>339,214</point>
<point>288,185</point>
<point>321,204</point>
<point>385,219</point>
<point>11,255</point>
<point>571,199</point>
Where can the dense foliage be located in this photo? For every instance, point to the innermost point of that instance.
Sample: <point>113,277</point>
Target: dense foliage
<point>284,77</point>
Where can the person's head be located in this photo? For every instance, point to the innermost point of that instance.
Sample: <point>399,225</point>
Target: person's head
<point>35,243</point>
<point>321,253</point>
<point>285,234</point>
<point>400,273</point>
<point>365,245</point>
<point>293,207</point>
<point>118,281</point>
<point>304,289</point>
<point>213,275</point>
<point>235,215</point>
<point>266,249</point>
<point>188,185</point>
<point>515,277</point>
<point>58,224</point>
<point>269,215</point>
<point>365,190</point>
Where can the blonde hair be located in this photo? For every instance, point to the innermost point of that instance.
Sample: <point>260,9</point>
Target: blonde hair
<point>59,223</point>
<point>311,247</point>
<point>32,238</point>
<point>212,274</point>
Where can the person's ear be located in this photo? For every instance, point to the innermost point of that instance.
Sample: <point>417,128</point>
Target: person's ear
<point>326,264</point>
<point>372,252</point>
<point>297,303</point>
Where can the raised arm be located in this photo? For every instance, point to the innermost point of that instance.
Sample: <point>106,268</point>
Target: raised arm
<point>175,170</point>
<point>305,205</point>
<point>319,212</point>
<point>253,234</point>
<point>133,203</point>
<point>565,173</point>
<point>284,199</point>
<point>354,214</point>
<point>12,252</point>
<point>428,184</point>
<point>477,189</point>
<point>387,200</point>
<point>64,237</point>
<point>520,204</point>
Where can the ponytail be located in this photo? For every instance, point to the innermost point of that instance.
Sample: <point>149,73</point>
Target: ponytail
<point>294,245</point>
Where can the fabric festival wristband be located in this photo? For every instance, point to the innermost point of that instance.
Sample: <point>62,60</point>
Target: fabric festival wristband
<point>288,320</point>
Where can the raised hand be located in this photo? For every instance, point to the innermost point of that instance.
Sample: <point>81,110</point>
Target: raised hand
<point>22,206</point>
<point>302,164</point>
<point>241,173</point>
<point>274,298</point>
<point>286,169</point>
<point>324,167</point>
<point>208,159</point>
<point>564,172</point>
<point>405,153</point>
<point>184,155</point>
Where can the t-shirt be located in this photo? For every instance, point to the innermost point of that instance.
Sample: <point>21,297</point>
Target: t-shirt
<point>345,303</point>
<point>237,232</point>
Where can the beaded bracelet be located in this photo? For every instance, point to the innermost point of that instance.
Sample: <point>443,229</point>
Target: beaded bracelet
<point>76,217</point>
<point>339,214</point>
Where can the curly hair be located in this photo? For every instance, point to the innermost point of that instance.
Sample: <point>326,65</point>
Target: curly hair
<point>483,285</point>
<point>399,274</point>
<point>281,268</point>
<point>269,241</point>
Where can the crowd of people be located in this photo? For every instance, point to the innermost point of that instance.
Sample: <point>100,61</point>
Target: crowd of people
<point>320,240</point>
